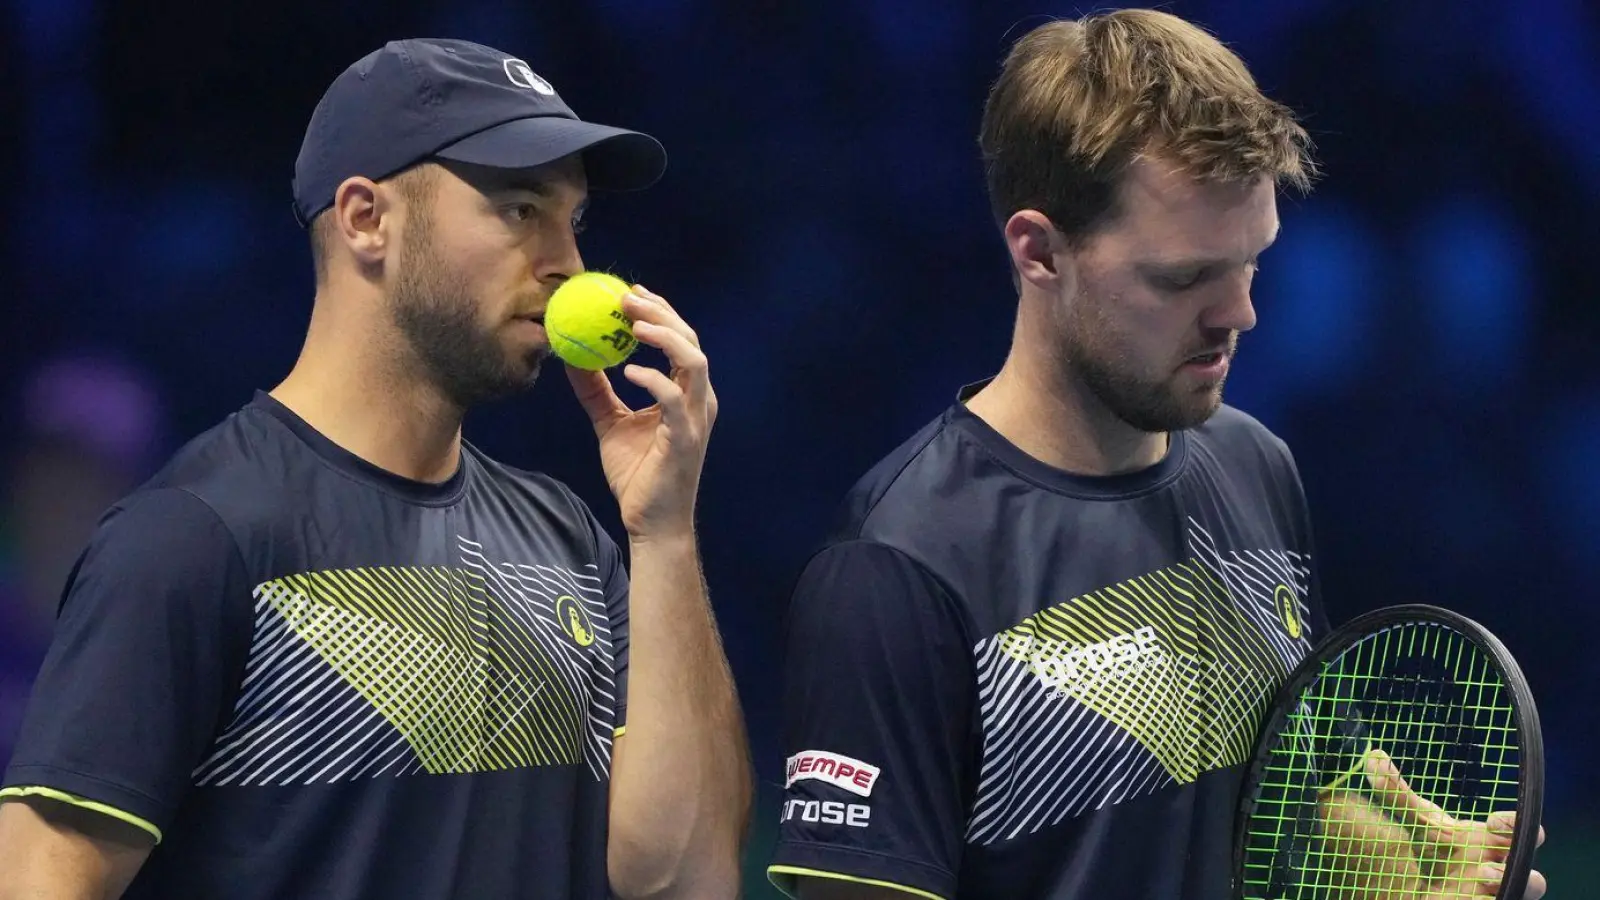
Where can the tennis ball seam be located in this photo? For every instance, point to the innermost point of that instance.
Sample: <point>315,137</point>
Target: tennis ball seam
<point>584,347</point>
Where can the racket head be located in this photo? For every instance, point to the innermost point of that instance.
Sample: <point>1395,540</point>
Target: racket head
<point>1271,834</point>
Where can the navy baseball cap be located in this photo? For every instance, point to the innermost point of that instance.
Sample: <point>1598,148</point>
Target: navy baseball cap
<point>416,99</point>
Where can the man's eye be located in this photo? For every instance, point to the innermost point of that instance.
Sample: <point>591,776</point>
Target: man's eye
<point>520,212</point>
<point>578,226</point>
<point>1179,282</point>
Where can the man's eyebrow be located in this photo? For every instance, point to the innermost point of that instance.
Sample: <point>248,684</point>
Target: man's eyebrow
<point>1183,263</point>
<point>530,183</point>
<point>1200,262</point>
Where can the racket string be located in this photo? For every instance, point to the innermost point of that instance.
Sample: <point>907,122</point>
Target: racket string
<point>1434,703</point>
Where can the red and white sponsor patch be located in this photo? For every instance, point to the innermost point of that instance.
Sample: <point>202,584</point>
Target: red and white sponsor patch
<point>853,775</point>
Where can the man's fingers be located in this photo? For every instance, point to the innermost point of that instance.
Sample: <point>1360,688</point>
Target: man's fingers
<point>679,350</point>
<point>688,361</point>
<point>655,310</point>
<point>656,323</point>
<point>597,397</point>
<point>1486,882</point>
<point>1502,824</point>
<point>1397,796</point>
<point>644,292</point>
<point>665,391</point>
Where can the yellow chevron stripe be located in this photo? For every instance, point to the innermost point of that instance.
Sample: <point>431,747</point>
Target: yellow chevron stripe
<point>1211,649</point>
<point>415,642</point>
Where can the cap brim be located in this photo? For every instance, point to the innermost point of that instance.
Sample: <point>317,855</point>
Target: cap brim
<point>614,159</point>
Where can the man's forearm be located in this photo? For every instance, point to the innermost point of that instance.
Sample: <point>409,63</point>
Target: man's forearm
<point>680,789</point>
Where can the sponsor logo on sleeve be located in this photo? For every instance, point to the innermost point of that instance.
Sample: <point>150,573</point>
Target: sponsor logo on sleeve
<point>827,812</point>
<point>852,775</point>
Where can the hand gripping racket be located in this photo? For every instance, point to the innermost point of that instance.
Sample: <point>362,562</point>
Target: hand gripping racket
<point>1387,764</point>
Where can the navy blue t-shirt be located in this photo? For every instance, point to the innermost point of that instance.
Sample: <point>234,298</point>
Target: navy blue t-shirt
<point>1007,681</point>
<point>309,677</point>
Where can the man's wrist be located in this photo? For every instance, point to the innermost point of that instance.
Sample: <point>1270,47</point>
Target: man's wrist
<point>664,540</point>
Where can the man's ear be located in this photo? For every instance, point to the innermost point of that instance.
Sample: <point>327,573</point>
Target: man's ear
<point>364,220</point>
<point>1034,244</point>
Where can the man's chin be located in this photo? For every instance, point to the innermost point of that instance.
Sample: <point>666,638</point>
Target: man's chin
<point>516,378</point>
<point>1201,411</point>
<point>1176,414</point>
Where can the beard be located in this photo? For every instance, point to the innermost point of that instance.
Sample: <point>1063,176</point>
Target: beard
<point>437,314</point>
<point>1153,404</point>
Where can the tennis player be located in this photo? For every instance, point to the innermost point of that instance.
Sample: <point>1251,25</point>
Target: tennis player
<point>1033,660</point>
<point>335,651</point>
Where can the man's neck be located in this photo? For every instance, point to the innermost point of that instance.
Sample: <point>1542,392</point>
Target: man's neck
<point>1057,420</point>
<point>361,396</point>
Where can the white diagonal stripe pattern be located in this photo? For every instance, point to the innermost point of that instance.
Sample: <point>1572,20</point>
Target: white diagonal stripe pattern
<point>1150,682</point>
<point>355,674</point>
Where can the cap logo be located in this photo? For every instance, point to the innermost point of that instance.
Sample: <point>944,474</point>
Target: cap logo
<point>521,75</point>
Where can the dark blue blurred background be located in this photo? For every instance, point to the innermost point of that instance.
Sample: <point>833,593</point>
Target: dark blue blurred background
<point>1428,321</point>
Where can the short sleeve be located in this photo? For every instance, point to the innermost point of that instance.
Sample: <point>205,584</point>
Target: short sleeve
<point>148,648</point>
<point>878,725</point>
<point>614,580</point>
<point>1318,620</point>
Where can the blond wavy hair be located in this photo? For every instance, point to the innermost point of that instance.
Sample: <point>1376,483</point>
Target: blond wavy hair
<point>1077,102</point>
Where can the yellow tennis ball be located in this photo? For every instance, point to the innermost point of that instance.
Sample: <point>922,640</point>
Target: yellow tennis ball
<point>585,322</point>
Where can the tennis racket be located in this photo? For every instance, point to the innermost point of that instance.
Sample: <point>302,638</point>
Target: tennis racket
<point>1386,764</point>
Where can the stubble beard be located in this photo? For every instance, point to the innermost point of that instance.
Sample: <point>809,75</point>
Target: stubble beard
<point>1090,355</point>
<point>437,315</point>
